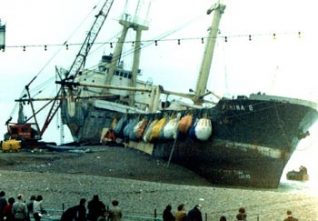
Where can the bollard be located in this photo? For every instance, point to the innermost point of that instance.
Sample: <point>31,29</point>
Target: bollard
<point>206,216</point>
<point>155,215</point>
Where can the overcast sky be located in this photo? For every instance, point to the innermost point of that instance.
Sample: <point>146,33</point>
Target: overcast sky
<point>269,65</point>
<point>284,65</point>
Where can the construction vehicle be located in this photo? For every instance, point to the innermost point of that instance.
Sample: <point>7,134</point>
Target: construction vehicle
<point>19,135</point>
<point>11,145</point>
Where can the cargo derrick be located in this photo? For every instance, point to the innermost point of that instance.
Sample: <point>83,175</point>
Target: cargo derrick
<point>25,134</point>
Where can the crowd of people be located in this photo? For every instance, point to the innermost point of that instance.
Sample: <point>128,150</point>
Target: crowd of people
<point>97,211</point>
<point>195,214</point>
<point>18,209</point>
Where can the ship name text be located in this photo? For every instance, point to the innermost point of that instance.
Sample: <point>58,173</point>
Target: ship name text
<point>238,107</point>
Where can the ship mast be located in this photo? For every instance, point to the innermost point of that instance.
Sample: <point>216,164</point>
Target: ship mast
<point>125,22</point>
<point>202,80</point>
<point>138,25</point>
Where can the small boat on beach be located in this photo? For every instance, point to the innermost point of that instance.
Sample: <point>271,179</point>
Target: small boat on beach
<point>300,175</point>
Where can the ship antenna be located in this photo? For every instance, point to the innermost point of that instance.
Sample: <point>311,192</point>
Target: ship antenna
<point>203,77</point>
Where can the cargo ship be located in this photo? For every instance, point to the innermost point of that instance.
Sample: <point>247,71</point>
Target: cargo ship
<point>238,141</point>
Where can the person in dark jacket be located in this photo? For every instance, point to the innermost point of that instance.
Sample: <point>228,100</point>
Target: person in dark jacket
<point>3,203</point>
<point>167,214</point>
<point>290,216</point>
<point>242,214</point>
<point>96,208</point>
<point>75,213</point>
<point>29,206</point>
<point>195,214</point>
<point>7,211</point>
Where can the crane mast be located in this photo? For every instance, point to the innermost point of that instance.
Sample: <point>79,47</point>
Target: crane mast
<point>89,40</point>
<point>79,61</point>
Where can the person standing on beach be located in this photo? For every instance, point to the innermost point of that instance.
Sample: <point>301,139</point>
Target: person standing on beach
<point>167,214</point>
<point>195,213</point>
<point>76,213</point>
<point>38,209</point>
<point>115,212</point>
<point>3,203</point>
<point>29,206</point>
<point>242,214</point>
<point>19,209</point>
<point>96,208</point>
<point>290,216</point>
<point>81,210</point>
<point>181,214</point>
<point>7,211</point>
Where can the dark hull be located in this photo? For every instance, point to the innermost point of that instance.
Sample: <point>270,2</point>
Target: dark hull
<point>225,163</point>
<point>251,142</point>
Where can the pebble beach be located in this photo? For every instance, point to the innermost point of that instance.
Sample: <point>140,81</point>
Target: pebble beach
<point>142,185</point>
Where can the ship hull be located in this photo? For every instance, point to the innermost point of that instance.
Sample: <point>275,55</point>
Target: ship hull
<point>226,163</point>
<point>251,142</point>
<point>221,162</point>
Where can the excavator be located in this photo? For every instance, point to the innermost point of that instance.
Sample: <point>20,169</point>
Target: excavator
<point>20,134</point>
<point>24,134</point>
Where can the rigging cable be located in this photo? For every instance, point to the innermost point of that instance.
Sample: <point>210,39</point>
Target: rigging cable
<point>149,42</point>
<point>54,55</point>
<point>159,38</point>
<point>70,36</point>
<point>65,43</point>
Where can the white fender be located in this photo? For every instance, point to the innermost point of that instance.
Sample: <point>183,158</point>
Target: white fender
<point>170,129</point>
<point>203,129</point>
